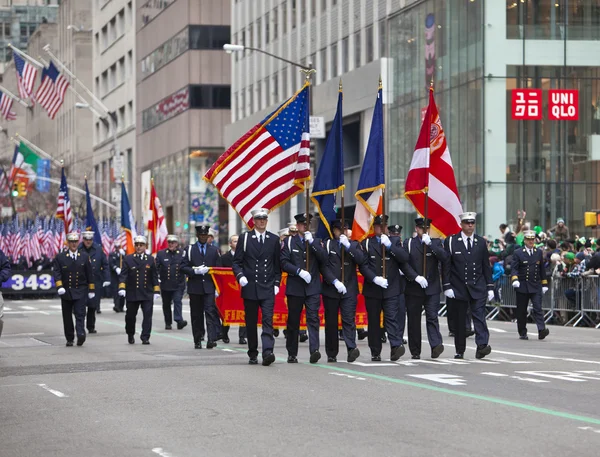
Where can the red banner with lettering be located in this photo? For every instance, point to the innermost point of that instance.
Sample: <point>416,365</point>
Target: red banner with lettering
<point>231,304</point>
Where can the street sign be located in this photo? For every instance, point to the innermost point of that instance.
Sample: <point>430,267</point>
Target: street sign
<point>563,105</point>
<point>117,166</point>
<point>527,104</point>
<point>317,127</point>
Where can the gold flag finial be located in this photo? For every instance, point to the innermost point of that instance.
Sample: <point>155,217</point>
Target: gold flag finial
<point>85,176</point>
<point>380,84</point>
<point>122,177</point>
<point>340,86</point>
<point>62,163</point>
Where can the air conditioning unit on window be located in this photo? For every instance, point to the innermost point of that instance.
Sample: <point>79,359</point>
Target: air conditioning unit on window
<point>594,147</point>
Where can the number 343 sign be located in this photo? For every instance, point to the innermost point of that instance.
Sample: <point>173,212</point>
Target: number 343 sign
<point>29,282</point>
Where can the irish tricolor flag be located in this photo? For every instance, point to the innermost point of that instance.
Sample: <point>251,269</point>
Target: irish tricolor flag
<point>24,164</point>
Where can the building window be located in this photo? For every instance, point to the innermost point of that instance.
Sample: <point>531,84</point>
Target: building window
<point>313,8</point>
<point>258,33</point>
<point>293,14</point>
<point>267,28</point>
<point>275,88</point>
<point>323,70</point>
<point>345,54</point>
<point>209,36</point>
<point>210,97</point>
<point>382,39</point>
<point>303,7</point>
<point>167,108</point>
<point>267,91</point>
<point>275,23</point>
<point>357,50</point>
<point>165,53</point>
<point>369,40</point>
<point>251,98</point>
<point>334,56</point>
<point>284,17</point>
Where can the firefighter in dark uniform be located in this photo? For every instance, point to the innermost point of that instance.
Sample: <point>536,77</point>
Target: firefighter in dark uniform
<point>115,264</point>
<point>75,281</point>
<point>303,288</point>
<point>172,281</point>
<point>5,273</point>
<point>382,293</point>
<point>528,277</point>
<point>197,261</point>
<point>227,261</point>
<point>394,232</point>
<point>43,263</point>
<point>467,280</point>
<point>256,266</point>
<point>101,276</point>
<point>340,291</point>
<point>138,283</point>
<point>423,289</point>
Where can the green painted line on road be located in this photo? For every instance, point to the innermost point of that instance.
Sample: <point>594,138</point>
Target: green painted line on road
<point>499,401</point>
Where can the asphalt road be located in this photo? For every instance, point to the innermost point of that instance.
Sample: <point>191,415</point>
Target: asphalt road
<point>109,398</point>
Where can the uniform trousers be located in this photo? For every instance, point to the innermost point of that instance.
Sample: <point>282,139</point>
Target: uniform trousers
<point>414,306</point>
<point>459,310</point>
<point>130,316</point>
<point>538,315</point>
<point>346,306</point>
<point>201,304</point>
<point>312,303</point>
<point>93,304</point>
<point>451,320</point>
<point>172,296</point>
<point>390,315</point>
<point>70,307</point>
<point>251,308</point>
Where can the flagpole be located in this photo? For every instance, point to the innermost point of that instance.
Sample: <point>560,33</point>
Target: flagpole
<point>425,210</point>
<point>308,75</point>
<point>9,94</point>
<point>383,219</point>
<point>25,56</point>
<point>343,205</point>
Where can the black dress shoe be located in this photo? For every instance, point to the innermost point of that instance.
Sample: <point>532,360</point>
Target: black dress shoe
<point>523,337</point>
<point>397,352</point>
<point>362,334</point>
<point>276,332</point>
<point>69,343</point>
<point>268,359</point>
<point>198,345</point>
<point>315,356</point>
<point>383,338</point>
<point>375,358</point>
<point>437,351</point>
<point>353,354</point>
<point>253,361</point>
<point>340,336</point>
<point>543,334</point>
<point>80,340</point>
<point>451,334</point>
<point>482,351</point>
<point>416,357</point>
<point>303,337</point>
<point>168,327</point>
<point>469,333</point>
<point>211,344</point>
<point>131,339</point>
<point>404,341</point>
<point>93,331</point>
<point>202,338</point>
<point>243,341</point>
<point>145,342</point>
<point>292,359</point>
<point>181,324</point>
<point>331,360</point>
<point>116,310</point>
<point>98,311</point>
<point>226,339</point>
<point>459,356</point>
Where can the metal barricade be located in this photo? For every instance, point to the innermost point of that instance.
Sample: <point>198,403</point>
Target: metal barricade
<point>590,301</point>
<point>504,310</point>
<point>563,311</point>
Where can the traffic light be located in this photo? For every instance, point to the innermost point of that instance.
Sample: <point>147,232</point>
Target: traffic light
<point>177,224</point>
<point>22,189</point>
<point>15,189</point>
<point>591,218</point>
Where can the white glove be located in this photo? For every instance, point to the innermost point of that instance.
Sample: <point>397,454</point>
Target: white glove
<point>91,295</point>
<point>449,293</point>
<point>381,282</point>
<point>308,237</point>
<point>216,294</point>
<point>426,239</point>
<point>39,268</point>
<point>422,282</point>
<point>61,291</point>
<point>156,297</point>
<point>201,270</point>
<point>306,276</point>
<point>345,242</point>
<point>121,251</point>
<point>106,284</point>
<point>121,293</point>
<point>118,270</point>
<point>340,287</point>
<point>276,290</point>
<point>385,240</point>
<point>544,290</point>
<point>516,284</point>
<point>490,295</point>
<point>243,281</point>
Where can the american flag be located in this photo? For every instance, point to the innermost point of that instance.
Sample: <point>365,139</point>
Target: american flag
<point>63,210</point>
<point>6,107</point>
<point>270,163</point>
<point>26,74</point>
<point>51,93</point>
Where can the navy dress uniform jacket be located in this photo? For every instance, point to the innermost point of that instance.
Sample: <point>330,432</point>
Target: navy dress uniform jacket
<point>293,259</point>
<point>468,275</point>
<point>169,264</point>
<point>353,257</point>
<point>5,269</point>
<point>200,284</point>
<point>98,261</point>
<point>395,256</point>
<point>260,264</point>
<point>227,259</point>
<point>139,277</point>
<point>528,270</point>
<point>436,258</point>
<point>74,275</point>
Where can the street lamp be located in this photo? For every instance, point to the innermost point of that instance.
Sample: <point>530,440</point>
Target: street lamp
<point>230,48</point>
<point>78,28</point>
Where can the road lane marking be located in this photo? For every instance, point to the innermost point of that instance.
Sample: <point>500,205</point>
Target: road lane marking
<point>491,373</point>
<point>27,307</point>
<point>161,452</point>
<point>595,430</point>
<point>23,334</point>
<point>52,391</point>
<point>497,330</point>
<point>349,376</point>
<point>449,379</point>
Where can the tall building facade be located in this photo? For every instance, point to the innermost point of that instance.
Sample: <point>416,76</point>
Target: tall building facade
<point>114,76</point>
<point>183,98</point>
<point>475,52</point>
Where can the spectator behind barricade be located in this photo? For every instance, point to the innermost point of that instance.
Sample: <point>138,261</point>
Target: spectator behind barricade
<point>560,232</point>
<point>575,271</point>
<point>504,230</point>
<point>495,247</point>
<point>497,277</point>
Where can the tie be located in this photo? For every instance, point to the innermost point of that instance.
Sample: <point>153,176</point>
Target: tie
<point>261,239</point>
<point>202,249</point>
<point>469,244</point>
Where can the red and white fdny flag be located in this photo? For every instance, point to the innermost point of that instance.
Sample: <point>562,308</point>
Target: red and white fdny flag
<point>157,225</point>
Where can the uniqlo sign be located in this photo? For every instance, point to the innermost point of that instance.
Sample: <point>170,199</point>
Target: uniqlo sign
<point>563,105</point>
<point>527,104</point>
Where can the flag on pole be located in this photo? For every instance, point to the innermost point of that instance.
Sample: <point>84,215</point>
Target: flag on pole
<point>26,74</point>
<point>63,210</point>
<point>330,177</point>
<point>270,163</point>
<point>369,196</point>
<point>6,107</point>
<point>157,225</point>
<point>24,164</point>
<point>51,93</point>
<point>90,220</point>
<point>431,172</point>
<point>127,221</point>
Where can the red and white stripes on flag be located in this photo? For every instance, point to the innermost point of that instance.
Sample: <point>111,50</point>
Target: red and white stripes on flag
<point>431,176</point>
<point>6,107</point>
<point>26,74</point>
<point>63,209</point>
<point>51,93</point>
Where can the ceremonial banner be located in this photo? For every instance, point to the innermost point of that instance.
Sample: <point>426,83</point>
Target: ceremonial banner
<point>231,305</point>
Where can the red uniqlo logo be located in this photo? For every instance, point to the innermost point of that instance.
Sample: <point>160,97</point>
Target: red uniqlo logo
<point>527,104</point>
<point>563,105</point>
